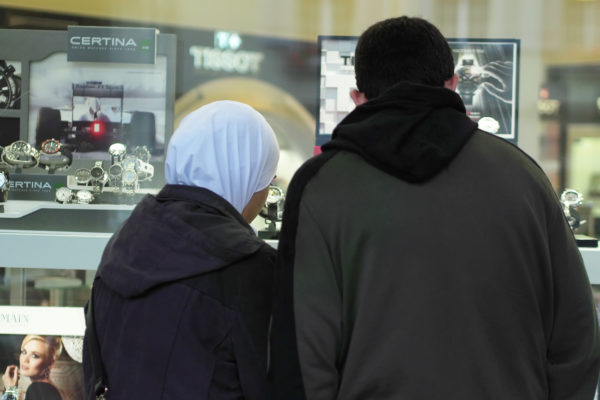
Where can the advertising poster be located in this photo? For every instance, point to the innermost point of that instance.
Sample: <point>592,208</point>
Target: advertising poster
<point>10,85</point>
<point>488,83</point>
<point>41,352</point>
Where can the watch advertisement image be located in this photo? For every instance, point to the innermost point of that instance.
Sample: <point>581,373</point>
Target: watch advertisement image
<point>41,351</point>
<point>487,72</point>
<point>487,82</point>
<point>10,85</point>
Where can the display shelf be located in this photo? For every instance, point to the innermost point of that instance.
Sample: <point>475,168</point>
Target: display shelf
<point>52,249</point>
<point>21,208</point>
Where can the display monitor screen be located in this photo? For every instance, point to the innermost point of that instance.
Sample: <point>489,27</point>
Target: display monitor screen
<point>488,82</point>
<point>86,108</point>
<point>89,106</point>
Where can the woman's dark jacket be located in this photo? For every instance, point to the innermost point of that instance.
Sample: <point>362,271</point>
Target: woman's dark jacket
<point>42,391</point>
<point>182,301</point>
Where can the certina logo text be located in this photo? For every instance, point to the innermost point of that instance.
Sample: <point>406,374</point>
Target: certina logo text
<point>98,41</point>
<point>30,186</point>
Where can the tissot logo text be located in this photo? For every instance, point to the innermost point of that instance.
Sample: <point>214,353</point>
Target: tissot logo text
<point>102,41</point>
<point>27,186</point>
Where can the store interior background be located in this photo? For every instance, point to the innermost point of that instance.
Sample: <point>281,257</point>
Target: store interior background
<point>559,93</point>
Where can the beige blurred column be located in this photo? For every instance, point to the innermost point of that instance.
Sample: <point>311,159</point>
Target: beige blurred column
<point>523,20</point>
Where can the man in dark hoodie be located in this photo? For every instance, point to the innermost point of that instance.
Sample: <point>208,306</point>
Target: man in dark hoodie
<point>182,296</point>
<point>423,258</point>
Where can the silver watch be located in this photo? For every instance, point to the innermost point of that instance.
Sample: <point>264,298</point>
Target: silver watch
<point>84,197</point>
<point>20,154</point>
<point>64,195</point>
<point>117,152</point>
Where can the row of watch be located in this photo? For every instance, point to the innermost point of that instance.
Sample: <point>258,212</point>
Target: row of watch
<point>52,155</point>
<point>65,195</point>
<point>125,171</point>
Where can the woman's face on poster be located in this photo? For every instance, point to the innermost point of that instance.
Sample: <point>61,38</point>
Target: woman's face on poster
<point>33,359</point>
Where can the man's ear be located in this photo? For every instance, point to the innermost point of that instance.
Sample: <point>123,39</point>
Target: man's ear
<point>358,97</point>
<point>451,83</point>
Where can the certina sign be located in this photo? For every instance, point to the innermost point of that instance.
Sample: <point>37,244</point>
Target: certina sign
<point>102,41</point>
<point>111,44</point>
<point>35,186</point>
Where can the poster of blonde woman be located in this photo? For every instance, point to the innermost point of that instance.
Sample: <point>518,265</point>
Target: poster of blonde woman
<point>41,353</point>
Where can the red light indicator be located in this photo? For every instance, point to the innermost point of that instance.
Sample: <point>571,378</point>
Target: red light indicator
<point>97,128</point>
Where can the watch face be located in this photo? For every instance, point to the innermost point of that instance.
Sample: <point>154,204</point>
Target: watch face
<point>82,175</point>
<point>142,153</point>
<point>97,173</point>
<point>571,198</point>
<point>130,163</point>
<point>63,194</point>
<point>84,196</point>
<point>117,149</point>
<point>20,146</point>
<point>115,170</point>
<point>129,177</point>
<point>50,146</point>
<point>275,195</point>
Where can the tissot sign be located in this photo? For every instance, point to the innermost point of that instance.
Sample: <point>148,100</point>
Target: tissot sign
<point>111,44</point>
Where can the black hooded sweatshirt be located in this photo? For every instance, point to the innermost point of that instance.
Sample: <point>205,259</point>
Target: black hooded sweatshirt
<point>424,259</point>
<point>182,301</point>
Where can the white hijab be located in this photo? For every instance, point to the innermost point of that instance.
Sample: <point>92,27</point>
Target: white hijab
<point>226,147</point>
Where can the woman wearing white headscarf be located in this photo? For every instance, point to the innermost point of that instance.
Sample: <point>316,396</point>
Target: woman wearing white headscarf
<point>182,296</point>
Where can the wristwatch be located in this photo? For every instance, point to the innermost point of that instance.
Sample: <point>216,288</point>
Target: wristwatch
<point>130,162</point>
<point>142,153</point>
<point>144,170</point>
<point>64,195</point>
<point>117,152</point>
<point>83,176</point>
<point>20,154</point>
<point>273,208</point>
<point>571,198</point>
<point>50,146</point>
<point>10,87</point>
<point>53,155</point>
<point>129,181</point>
<point>84,197</point>
<point>4,184</point>
<point>97,173</point>
<point>114,174</point>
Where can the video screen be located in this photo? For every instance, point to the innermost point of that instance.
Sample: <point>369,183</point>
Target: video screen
<point>104,109</point>
<point>70,100</point>
<point>488,83</point>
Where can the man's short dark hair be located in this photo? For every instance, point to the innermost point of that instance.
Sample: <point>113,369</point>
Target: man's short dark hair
<point>401,49</point>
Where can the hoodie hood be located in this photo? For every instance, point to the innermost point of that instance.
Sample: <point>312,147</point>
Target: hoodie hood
<point>182,232</point>
<point>411,131</point>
